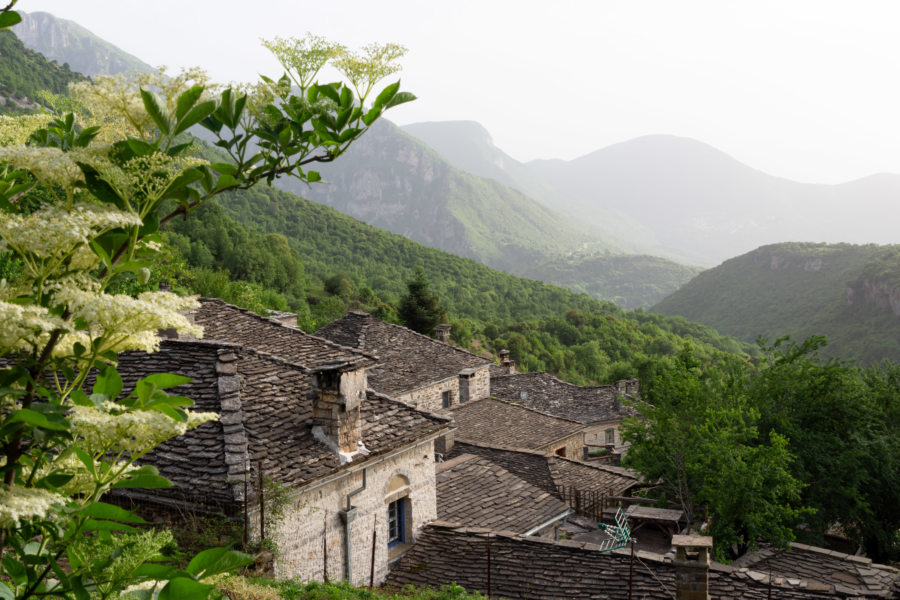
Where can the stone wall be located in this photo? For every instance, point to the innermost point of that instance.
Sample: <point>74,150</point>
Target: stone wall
<point>574,447</point>
<point>429,398</point>
<point>595,435</point>
<point>312,526</point>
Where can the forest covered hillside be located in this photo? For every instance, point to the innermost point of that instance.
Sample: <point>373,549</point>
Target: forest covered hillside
<point>24,73</point>
<point>848,293</point>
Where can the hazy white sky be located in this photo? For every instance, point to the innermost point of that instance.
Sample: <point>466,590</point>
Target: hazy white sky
<point>805,89</point>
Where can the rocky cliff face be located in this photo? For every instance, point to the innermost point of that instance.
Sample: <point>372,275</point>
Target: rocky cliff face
<point>67,42</point>
<point>876,293</point>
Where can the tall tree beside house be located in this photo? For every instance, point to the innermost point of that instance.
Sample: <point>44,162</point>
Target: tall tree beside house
<point>419,309</point>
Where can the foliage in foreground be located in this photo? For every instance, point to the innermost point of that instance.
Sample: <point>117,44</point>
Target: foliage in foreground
<point>82,196</point>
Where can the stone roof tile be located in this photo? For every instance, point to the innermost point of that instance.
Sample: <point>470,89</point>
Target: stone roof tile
<point>491,421</point>
<point>477,492</point>
<point>546,393</point>
<point>407,360</point>
<point>529,567</point>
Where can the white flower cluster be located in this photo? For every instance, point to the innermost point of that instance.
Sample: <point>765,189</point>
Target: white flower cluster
<point>143,179</point>
<point>51,166</point>
<point>22,503</point>
<point>53,231</point>
<point>127,323</point>
<point>15,131</point>
<point>23,327</point>
<point>134,432</point>
<point>82,482</point>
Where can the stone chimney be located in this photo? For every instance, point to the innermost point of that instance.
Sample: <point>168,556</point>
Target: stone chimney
<point>508,364</point>
<point>442,333</point>
<point>691,566</point>
<point>631,387</point>
<point>621,386</point>
<point>466,384</point>
<point>339,389</point>
<point>283,318</point>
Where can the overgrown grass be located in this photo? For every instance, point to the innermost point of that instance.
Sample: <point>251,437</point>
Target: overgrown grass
<point>259,588</point>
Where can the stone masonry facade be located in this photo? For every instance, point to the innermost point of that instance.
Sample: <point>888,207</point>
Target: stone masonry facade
<point>312,529</point>
<point>430,397</point>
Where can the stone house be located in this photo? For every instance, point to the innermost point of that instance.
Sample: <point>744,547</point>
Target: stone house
<point>354,463</point>
<point>600,408</point>
<point>503,564</point>
<point>477,492</point>
<point>426,373</point>
<point>498,423</point>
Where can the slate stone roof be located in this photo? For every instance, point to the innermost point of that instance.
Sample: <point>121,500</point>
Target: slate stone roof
<point>265,418</point>
<point>495,422</point>
<point>478,493</point>
<point>853,575</point>
<point>228,323</point>
<point>550,472</point>
<point>544,392</point>
<point>530,567</point>
<point>407,360</point>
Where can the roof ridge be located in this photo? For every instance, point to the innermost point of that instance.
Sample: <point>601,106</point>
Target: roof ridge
<point>422,335</point>
<point>557,379</point>
<point>614,470</point>
<point>250,313</point>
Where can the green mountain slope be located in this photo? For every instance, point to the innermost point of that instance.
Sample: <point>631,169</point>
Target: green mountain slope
<point>68,42</point>
<point>631,281</point>
<point>24,72</point>
<point>851,294</point>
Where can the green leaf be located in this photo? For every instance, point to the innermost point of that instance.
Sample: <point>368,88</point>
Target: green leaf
<point>183,180</point>
<point>86,460</point>
<point>102,510</point>
<point>14,569</point>
<point>313,176</point>
<point>152,571</point>
<point>98,525</point>
<point>225,181</point>
<point>197,114</point>
<point>99,188</point>
<point>8,19</point>
<point>151,224</point>
<point>400,98</point>
<point>186,100</point>
<point>147,477</point>
<point>156,110</point>
<point>35,419</point>
<point>371,116</point>
<point>183,588</point>
<point>139,147</point>
<point>217,560</point>
<point>5,592</point>
<point>387,94</point>
<point>166,380</point>
<point>329,90</point>
<point>109,382</point>
<point>224,168</point>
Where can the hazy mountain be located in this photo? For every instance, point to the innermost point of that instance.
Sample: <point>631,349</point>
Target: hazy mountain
<point>702,204</point>
<point>393,181</point>
<point>849,293</point>
<point>68,42</point>
<point>468,146</point>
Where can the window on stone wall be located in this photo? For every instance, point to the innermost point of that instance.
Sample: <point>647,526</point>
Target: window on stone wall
<point>396,529</point>
<point>445,399</point>
<point>561,451</point>
<point>610,436</point>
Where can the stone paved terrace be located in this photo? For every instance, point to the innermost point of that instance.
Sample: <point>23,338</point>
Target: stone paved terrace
<point>851,574</point>
<point>478,493</point>
<point>535,568</point>
<point>407,360</point>
<point>265,417</point>
<point>228,323</point>
<point>546,393</point>
<point>549,472</point>
<point>501,423</point>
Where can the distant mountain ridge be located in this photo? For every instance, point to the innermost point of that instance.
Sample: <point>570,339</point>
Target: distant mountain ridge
<point>849,293</point>
<point>68,42</point>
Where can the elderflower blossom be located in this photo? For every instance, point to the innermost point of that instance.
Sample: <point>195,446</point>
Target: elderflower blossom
<point>15,131</point>
<point>143,179</point>
<point>50,166</point>
<point>54,231</point>
<point>23,327</point>
<point>82,482</point>
<point>22,503</point>
<point>127,323</point>
<point>134,432</point>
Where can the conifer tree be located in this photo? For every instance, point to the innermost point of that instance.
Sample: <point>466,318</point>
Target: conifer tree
<point>419,309</point>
